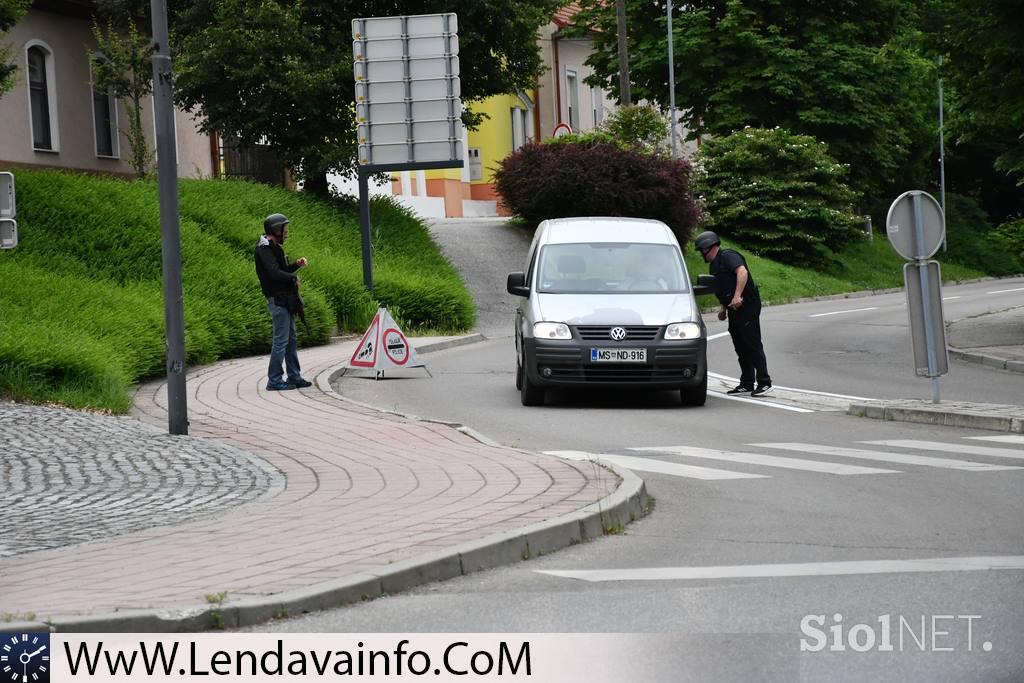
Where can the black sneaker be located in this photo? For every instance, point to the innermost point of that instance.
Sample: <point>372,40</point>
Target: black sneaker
<point>762,390</point>
<point>279,386</point>
<point>740,389</point>
<point>300,383</point>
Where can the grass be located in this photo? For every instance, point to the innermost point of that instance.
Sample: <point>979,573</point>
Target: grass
<point>81,316</point>
<point>863,266</point>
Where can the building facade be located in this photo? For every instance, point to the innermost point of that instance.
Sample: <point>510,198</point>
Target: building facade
<point>55,118</point>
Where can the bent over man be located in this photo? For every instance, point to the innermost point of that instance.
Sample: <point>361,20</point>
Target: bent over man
<point>280,285</point>
<point>741,302</point>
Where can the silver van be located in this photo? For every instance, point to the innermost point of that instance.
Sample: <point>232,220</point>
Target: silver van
<point>608,302</point>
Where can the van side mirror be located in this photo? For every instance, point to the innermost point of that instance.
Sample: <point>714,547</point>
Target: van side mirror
<point>705,285</point>
<point>517,284</point>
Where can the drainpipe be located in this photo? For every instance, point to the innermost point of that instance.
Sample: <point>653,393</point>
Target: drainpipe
<point>557,78</point>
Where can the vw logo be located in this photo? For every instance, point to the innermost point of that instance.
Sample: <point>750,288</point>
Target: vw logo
<point>617,333</point>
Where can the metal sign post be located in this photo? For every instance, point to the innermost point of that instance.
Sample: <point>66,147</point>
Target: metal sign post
<point>916,229</point>
<point>408,104</point>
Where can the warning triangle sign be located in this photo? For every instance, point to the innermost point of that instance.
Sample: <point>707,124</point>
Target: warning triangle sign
<point>384,346</point>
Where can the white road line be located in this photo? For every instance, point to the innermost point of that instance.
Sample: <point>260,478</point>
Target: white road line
<point>759,401</point>
<point>950,298</point>
<point>962,449</point>
<point>718,336</point>
<point>754,571</point>
<point>767,460</point>
<point>998,439</point>
<point>1005,291</point>
<point>882,456</point>
<point>658,466</point>
<point>802,391</point>
<point>852,310</point>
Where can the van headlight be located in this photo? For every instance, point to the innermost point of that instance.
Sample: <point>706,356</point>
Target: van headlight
<point>551,331</point>
<point>683,331</point>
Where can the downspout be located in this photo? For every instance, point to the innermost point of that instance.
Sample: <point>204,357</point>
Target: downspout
<point>558,80</point>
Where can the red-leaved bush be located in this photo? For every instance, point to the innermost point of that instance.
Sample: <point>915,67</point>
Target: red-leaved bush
<point>595,178</point>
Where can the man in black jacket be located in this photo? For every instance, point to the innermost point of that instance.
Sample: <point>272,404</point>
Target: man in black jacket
<point>280,285</point>
<point>741,302</point>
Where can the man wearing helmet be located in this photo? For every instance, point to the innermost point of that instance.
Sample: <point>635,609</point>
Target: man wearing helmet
<point>280,285</point>
<point>741,302</point>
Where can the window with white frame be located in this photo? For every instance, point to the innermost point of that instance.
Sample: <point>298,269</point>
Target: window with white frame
<point>572,95</point>
<point>104,118</point>
<point>597,104</point>
<point>518,128</point>
<point>42,96</point>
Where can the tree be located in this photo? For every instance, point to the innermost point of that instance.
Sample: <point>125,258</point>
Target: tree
<point>848,72</point>
<point>779,194</point>
<point>11,12</point>
<point>122,65</point>
<point>280,71</point>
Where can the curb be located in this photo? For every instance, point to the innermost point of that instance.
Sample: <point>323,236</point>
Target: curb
<point>947,418</point>
<point>626,504</point>
<point>988,361</point>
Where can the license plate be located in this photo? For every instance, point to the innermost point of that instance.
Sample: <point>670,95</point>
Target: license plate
<point>618,355</point>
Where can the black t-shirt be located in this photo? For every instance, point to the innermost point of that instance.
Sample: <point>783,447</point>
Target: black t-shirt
<point>724,269</point>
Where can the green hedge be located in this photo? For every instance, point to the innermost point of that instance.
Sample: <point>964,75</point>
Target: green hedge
<point>81,313</point>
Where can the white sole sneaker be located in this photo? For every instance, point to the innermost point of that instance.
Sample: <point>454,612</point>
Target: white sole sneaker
<point>762,392</point>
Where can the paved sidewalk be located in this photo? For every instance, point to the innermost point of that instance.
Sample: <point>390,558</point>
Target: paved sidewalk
<point>993,339</point>
<point>362,492</point>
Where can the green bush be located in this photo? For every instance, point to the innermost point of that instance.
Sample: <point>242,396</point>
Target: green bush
<point>778,194</point>
<point>971,241</point>
<point>597,178</point>
<point>86,317</point>
<point>1010,236</point>
<point>638,127</point>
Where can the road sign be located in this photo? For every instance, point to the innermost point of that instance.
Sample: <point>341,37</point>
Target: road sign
<point>923,282</point>
<point>7,207</point>
<point>915,225</point>
<point>408,93</point>
<point>562,129</point>
<point>8,233</point>
<point>384,346</point>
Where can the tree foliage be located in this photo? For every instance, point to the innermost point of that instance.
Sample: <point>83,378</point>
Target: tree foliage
<point>280,71</point>
<point>597,178</point>
<point>780,195</point>
<point>847,72</point>
<point>11,12</point>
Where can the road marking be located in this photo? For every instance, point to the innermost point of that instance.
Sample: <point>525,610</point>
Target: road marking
<point>962,449</point>
<point>754,571</point>
<point>767,460</point>
<point>658,466</point>
<point>718,336</point>
<point>759,401</point>
<point>998,439</point>
<point>802,391</point>
<point>950,298</point>
<point>1005,291</point>
<point>882,456</point>
<point>852,310</point>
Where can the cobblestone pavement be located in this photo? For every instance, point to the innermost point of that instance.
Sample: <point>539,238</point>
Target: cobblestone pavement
<point>363,489</point>
<point>69,477</point>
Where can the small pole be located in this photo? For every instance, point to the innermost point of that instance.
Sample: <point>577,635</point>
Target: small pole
<point>364,228</point>
<point>170,229</point>
<point>922,270</point>
<point>942,162</point>
<point>671,83</point>
<point>624,95</point>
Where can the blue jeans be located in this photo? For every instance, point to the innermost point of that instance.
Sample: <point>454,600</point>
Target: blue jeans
<point>284,346</point>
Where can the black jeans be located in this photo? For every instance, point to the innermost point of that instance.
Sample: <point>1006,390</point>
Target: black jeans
<point>745,330</point>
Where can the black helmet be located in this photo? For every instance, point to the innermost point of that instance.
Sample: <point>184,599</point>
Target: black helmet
<point>274,225</point>
<point>706,240</point>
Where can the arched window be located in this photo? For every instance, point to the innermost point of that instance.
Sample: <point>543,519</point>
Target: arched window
<point>104,117</point>
<point>42,98</point>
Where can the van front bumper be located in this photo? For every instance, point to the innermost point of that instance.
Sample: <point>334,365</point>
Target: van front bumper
<point>670,364</point>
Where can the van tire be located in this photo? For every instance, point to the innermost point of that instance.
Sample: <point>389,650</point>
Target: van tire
<point>529,393</point>
<point>695,396</point>
<point>519,375</point>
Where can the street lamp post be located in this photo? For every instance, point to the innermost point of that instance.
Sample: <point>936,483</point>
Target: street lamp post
<point>671,83</point>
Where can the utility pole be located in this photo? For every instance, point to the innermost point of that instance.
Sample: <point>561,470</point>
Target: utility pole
<point>167,176</point>
<point>671,83</point>
<point>624,95</point>
<point>942,158</point>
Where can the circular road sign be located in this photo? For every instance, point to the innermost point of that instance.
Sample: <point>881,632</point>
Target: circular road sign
<point>562,130</point>
<point>901,225</point>
<point>396,346</point>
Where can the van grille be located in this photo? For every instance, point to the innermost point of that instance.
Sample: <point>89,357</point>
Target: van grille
<point>633,332</point>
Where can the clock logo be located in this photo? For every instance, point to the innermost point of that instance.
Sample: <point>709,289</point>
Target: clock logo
<point>25,657</point>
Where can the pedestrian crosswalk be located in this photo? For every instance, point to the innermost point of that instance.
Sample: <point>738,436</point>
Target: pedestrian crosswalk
<point>817,458</point>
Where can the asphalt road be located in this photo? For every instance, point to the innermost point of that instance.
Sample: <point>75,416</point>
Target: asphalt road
<point>752,537</point>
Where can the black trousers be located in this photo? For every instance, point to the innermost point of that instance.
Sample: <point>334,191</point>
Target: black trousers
<point>745,330</point>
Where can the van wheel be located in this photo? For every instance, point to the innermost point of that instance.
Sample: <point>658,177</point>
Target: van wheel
<point>519,375</point>
<point>529,393</point>
<point>695,396</point>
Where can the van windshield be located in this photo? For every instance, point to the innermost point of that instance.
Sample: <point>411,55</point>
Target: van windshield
<point>611,268</point>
